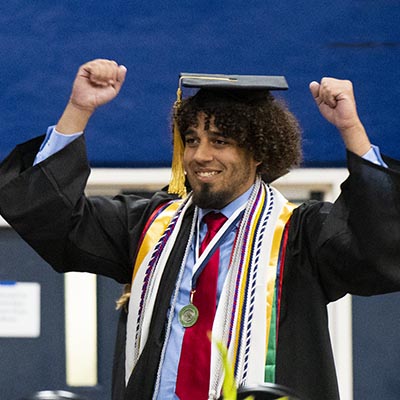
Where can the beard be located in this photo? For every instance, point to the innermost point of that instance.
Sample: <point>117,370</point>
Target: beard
<point>206,198</point>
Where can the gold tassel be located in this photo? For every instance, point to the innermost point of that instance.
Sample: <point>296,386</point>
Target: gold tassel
<point>177,182</point>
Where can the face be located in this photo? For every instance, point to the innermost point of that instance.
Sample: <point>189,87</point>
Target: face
<point>218,169</point>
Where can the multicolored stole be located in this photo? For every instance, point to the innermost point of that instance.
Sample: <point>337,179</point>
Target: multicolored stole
<point>248,311</point>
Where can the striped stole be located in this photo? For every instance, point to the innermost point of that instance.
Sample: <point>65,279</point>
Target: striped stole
<point>247,317</point>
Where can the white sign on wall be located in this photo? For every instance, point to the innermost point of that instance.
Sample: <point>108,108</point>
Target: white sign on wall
<point>19,309</point>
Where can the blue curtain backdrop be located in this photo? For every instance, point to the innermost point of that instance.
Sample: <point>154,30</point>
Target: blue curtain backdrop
<point>42,44</point>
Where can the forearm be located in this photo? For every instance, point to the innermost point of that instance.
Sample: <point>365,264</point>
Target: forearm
<point>74,119</point>
<point>356,139</point>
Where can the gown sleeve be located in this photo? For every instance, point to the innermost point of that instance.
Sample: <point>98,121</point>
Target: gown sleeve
<point>46,205</point>
<point>358,246</point>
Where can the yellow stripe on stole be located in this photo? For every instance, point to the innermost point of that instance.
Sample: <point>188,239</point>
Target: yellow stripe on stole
<point>244,276</point>
<point>283,218</point>
<point>154,232</point>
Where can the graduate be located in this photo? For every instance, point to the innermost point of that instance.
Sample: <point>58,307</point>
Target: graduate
<point>221,253</point>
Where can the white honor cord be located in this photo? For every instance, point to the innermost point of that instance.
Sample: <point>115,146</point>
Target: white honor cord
<point>214,241</point>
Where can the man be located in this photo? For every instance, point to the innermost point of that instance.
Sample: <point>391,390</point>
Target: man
<point>277,266</point>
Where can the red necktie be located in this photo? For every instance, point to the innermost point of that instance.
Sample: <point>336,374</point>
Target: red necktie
<point>194,365</point>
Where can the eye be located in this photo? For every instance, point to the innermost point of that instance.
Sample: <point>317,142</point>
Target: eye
<point>191,141</point>
<point>220,142</point>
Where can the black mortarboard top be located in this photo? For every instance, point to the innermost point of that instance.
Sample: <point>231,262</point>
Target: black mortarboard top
<point>220,81</point>
<point>217,82</point>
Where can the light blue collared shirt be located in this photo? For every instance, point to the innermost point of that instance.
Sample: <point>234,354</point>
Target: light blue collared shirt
<point>54,142</point>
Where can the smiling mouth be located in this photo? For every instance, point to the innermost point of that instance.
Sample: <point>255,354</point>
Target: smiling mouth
<point>206,174</point>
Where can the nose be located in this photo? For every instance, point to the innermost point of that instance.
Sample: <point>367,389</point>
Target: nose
<point>203,152</point>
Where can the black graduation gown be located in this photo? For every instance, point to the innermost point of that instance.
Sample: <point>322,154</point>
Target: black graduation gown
<point>348,247</point>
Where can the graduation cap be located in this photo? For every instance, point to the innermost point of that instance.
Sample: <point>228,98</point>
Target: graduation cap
<point>220,82</point>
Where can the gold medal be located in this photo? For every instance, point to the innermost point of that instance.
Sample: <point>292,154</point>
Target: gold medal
<point>188,315</point>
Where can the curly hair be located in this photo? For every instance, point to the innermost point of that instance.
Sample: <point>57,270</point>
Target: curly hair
<point>255,119</point>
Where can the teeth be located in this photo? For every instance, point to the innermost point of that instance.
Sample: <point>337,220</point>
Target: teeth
<point>207,174</point>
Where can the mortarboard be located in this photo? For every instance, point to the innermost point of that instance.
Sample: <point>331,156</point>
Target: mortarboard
<point>245,82</point>
<point>215,82</point>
